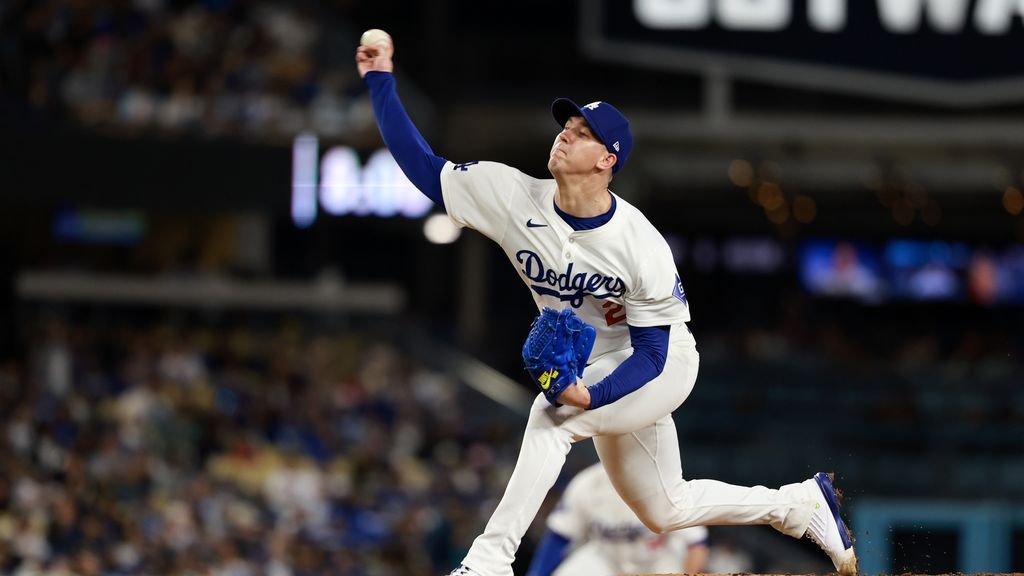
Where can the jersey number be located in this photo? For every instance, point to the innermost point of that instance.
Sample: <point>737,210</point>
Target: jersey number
<point>614,313</point>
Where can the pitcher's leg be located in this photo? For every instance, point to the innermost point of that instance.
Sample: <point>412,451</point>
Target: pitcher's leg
<point>549,434</point>
<point>645,468</point>
<point>587,560</point>
<point>546,443</point>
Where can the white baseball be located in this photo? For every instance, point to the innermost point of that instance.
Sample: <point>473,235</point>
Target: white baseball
<point>376,38</point>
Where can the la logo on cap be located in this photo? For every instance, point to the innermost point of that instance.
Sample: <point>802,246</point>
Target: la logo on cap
<point>616,145</point>
<point>593,105</point>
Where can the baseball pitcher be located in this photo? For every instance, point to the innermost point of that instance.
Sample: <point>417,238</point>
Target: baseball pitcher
<point>611,352</point>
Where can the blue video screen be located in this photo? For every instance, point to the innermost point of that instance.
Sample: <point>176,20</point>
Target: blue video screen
<point>913,270</point>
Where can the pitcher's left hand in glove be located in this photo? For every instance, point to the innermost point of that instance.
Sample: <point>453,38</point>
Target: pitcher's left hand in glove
<point>556,351</point>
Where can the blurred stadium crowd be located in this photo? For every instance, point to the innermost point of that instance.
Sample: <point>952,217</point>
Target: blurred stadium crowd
<point>177,446</point>
<point>253,68</point>
<point>933,393</point>
<point>158,450</point>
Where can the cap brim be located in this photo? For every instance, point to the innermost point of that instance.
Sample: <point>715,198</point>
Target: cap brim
<point>563,109</point>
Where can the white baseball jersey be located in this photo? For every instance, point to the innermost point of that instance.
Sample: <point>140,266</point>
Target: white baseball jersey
<point>614,540</point>
<point>621,272</point>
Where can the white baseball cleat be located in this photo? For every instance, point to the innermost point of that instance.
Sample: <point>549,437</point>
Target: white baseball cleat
<point>464,571</point>
<point>828,530</point>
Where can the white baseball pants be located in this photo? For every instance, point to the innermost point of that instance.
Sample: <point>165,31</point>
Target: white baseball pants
<point>636,440</point>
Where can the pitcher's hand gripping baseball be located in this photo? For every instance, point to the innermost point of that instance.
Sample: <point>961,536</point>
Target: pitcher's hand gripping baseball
<point>375,52</point>
<point>556,351</point>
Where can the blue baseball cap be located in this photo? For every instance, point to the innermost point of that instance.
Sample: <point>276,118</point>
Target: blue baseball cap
<point>605,120</point>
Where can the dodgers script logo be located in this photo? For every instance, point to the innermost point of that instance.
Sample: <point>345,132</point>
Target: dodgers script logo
<point>621,532</point>
<point>580,283</point>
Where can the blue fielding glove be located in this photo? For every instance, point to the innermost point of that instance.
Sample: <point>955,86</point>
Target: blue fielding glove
<point>556,351</point>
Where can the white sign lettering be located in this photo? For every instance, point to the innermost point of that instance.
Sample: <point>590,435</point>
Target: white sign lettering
<point>995,16</point>
<point>673,14</point>
<point>904,16</point>
<point>991,17</point>
<point>827,15</point>
<point>347,187</point>
<point>762,15</point>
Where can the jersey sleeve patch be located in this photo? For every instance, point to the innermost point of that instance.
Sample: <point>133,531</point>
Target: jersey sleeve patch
<point>464,167</point>
<point>479,194</point>
<point>678,290</point>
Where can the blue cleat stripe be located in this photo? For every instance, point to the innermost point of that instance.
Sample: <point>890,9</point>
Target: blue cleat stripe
<point>825,483</point>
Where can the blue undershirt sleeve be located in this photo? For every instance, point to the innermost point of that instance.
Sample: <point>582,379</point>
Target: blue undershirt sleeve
<point>404,141</point>
<point>650,349</point>
<point>549,555</point>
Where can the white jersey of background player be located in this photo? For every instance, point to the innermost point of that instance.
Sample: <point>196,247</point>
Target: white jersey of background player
<point>574,243</point>
<point>607,539</point>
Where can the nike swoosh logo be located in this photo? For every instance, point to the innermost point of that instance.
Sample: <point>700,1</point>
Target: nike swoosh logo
<point>530,224</point>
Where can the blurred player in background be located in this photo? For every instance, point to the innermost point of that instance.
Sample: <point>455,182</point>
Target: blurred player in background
<point>603,537</point>
<point>575,243</point>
